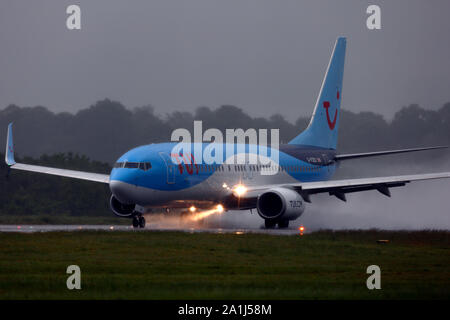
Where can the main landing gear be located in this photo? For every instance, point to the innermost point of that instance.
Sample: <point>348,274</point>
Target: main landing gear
<point>270,223</point>
<point>138,221</point>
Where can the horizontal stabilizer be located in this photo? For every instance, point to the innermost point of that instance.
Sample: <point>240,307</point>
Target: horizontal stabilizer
<point>382,153</point>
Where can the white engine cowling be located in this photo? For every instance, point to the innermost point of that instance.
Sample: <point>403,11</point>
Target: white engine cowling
<point>120,209</point>
<point>280,203</point>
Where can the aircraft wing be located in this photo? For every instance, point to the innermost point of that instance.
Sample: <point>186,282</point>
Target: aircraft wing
<point>9,158</point>
<point>97,177</point>
<point>339,188</point>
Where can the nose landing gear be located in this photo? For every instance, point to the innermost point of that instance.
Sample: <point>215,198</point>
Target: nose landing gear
<point>138,221</point>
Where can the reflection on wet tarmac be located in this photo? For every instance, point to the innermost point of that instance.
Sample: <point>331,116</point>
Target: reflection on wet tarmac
<point>150,228</point>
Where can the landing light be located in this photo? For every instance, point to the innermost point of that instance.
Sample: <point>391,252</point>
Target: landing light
<point>301,229</point>
<point>192,209</point>
<point>240,190</point>
<point>219,208</point>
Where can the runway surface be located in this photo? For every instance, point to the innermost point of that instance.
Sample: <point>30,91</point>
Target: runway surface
<point>112,228</point>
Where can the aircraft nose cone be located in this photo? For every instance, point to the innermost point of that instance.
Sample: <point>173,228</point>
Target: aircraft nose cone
<point>120,190</point>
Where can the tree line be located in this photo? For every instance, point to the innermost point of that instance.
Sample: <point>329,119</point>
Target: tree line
<point>107,129</point>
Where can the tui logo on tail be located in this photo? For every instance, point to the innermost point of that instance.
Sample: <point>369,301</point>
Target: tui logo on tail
<point>326,105</point>
<point>324,123</point>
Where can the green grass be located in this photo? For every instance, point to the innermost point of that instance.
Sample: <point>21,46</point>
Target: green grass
<point>175,265</point>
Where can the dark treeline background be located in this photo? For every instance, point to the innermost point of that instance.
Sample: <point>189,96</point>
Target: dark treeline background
<point>107,129</point>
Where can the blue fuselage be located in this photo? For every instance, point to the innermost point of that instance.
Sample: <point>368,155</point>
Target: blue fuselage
<point>151,176</point>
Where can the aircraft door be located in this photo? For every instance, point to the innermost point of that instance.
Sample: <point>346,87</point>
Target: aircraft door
<point>170,166</point>
<point>326,161</point>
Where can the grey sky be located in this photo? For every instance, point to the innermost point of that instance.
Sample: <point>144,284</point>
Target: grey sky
<point>264,56</point>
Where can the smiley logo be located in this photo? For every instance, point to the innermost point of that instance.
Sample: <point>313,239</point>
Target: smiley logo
<point>326,105</point>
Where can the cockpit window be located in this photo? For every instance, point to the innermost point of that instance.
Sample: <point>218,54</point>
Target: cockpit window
<point>131,165</point>
<point>118,165</point>
<point>134,165</point>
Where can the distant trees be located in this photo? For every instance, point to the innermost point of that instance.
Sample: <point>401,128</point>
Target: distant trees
<point>107,129</point>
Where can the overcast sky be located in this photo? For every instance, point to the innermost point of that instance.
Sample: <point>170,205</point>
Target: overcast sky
<point>265,56</point>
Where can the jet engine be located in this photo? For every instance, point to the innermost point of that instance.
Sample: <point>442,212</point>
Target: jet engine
<point>121,209</point>
<point>280,204</point>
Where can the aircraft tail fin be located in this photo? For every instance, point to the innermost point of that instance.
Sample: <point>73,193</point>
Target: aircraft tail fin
<point>322,130</point>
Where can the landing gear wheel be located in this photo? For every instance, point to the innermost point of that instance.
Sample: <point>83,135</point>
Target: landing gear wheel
<point>135,221</point>
<point>270,224</point>
<point>282,224</point>
<point>141,222</point>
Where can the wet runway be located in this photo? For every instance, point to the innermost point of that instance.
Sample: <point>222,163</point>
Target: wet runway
<point>113,228</point>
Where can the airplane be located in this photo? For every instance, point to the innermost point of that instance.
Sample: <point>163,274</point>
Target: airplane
<point>147,177</point>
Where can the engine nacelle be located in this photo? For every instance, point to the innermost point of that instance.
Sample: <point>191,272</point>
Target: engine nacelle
<point>280,203</point>
<point>121,209</point>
